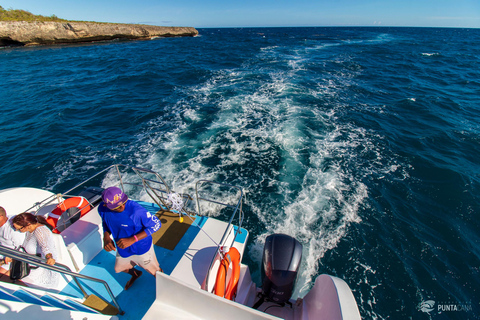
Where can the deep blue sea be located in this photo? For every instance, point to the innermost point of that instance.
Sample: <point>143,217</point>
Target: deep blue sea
<point>362,143</point>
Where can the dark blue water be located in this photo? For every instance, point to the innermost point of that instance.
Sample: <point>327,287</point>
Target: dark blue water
<point>363,143</point>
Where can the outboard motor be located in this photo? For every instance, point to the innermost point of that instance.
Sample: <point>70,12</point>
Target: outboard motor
<point>282,256</point>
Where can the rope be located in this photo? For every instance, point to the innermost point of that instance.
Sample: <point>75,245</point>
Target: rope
<point>176,200</point>
<point>176,203</point>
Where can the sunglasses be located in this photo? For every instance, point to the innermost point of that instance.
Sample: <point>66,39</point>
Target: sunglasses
<point>21,228</point>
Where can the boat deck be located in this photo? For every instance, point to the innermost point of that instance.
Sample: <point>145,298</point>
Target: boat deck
<point>182,249</point>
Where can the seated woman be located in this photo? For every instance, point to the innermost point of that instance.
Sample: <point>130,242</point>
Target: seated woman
<point>38,239</point>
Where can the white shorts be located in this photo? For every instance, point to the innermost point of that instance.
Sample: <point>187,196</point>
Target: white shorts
<point>147,261</point>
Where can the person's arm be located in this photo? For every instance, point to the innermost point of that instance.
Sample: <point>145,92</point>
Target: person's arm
<point>150,224</point>
<point>127,242</point>
<point>42,235</point>
<point>108,243</point>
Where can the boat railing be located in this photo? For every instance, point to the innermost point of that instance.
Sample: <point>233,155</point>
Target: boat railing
<point>153,184</point>
<point>237,212</point>
<point>58,267</point>
<point>236,207</point>
<point>63,223</point>
<point>159,194</point>
<point>155,187</point>
<point>158,190</point>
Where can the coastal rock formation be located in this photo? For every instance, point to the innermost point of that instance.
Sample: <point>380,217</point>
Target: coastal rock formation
<point>44,33</point>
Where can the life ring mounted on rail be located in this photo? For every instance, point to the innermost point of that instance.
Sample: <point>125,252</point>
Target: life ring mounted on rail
<point>75,202</point>
<point>221,288</point>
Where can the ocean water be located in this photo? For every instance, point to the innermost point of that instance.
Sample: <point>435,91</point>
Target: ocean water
<point>362,143</point>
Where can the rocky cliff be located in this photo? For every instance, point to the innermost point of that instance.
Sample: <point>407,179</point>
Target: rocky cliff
<point>44,33</point>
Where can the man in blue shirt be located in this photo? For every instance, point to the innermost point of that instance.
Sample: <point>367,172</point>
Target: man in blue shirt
<point>131,227</point>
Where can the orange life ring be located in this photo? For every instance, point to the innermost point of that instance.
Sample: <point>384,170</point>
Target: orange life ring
<point>74,202</point>
<point>221,289</point>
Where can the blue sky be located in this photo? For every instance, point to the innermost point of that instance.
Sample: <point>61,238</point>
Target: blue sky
<point>262,13</point>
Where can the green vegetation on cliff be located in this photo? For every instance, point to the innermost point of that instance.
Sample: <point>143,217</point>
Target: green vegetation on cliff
<point>22,15</point>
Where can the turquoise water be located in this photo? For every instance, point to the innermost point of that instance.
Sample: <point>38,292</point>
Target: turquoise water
<point>363,143</point>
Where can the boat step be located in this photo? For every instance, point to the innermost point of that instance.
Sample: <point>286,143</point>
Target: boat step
<point>100,305</point>
<point>79,307</point>
<point>5,294</point>
<point>58,303</point>
<point>28,297</point>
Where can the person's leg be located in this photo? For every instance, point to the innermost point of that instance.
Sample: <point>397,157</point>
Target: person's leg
<point>4,271</point>
<point>127,265</point>
<point>135,275</point>
<point>148,261</point>
<point>5,277</point>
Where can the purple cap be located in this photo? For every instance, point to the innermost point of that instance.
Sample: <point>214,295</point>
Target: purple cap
<point>114,197</point>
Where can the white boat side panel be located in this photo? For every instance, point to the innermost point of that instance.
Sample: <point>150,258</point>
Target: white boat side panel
<point>193,266</point>
<point>247,289</point>
<point>18,200</point>
<point>330,299</point>
<point>175,298</point>
<point>84,238</point>
<point>348,303</point>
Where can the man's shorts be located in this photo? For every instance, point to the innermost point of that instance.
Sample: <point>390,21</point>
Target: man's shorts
<point>147,261</point>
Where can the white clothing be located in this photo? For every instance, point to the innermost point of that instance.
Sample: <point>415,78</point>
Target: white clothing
<point>147,261</point>
<point>41,241</point>
<point>10,238</point>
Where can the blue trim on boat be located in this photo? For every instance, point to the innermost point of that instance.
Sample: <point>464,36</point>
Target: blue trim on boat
<point>7,294</point>
<point>242,236</point>
<point>57,302</point>
<point>30,298</point>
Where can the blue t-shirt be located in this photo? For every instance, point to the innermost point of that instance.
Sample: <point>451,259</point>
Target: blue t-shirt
<point>128,223</point>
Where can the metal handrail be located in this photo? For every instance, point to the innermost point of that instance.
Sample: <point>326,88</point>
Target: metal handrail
<point>147,186</point>
<point>91,178</point>
<point>236,208</point>
<point>40,262</point>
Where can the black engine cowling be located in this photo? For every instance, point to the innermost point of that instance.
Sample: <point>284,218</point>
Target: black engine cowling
<point>282,256</point>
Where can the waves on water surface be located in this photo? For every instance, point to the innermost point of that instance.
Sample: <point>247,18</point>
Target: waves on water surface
<point>360,143</point>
